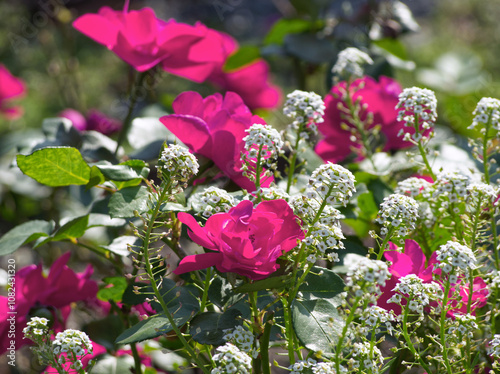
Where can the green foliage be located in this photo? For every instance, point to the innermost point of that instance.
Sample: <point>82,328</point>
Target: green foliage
<point>58,166</point>
<point>208,327</point>
<point>244,55</point>
<point>71,230</point>
<point>115,292</point>
<point>24,233</point>
<point>284,27</point>
<point>124,203</point>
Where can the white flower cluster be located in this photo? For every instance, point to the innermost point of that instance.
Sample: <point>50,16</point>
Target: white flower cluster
<point>398,214</point>
<point>451,185</point>
<point>366,359</point>
<point>270,193</point>
<point>453,255</point>
<point>315,367</point>
<point>307,209</point>
<point>36,326</point>
<point>494,347</point>
<point>212,200</point>
<point>350,63</point>
<point>417,104</point>
<point>487,113</point>
<point>367,276</point>
<point>374,317</point>
<point>464,325</point>
<point>417,293</point>
<point>241,338</point>
<point>72,341</point>
<point>264,139</point>
<point>323,237</point>
<point>305,108</point>
<point>413,187</point>
<point>486,193</point>
<point>230,360</point>
<point>177,163</point>
<point>333,183</point>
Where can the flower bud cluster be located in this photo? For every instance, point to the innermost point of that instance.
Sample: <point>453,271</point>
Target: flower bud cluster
<point>307,209</point>
<point>374,317</point>
<point>265,141</point>
<point>333,183</point>
<point>177,164</point>
<point>305,108</point>
<point>350,63</point>
<point>418,111</point>
<point>270,193</point>
<point>455,256</point>
<point>75,344</point>
<point>417,293</point>
<point>36,326</point>
<point>413,187</point>
<point>315,367</point>
<point>482,193</point>
<point>212,200</point>
<point>451,185</point>
<point>463,325</point>
<point>230,360</point>
<point>398,215</point>
<point>241,338</point>
<point>367,276</point>
<point>494,347</point>
<point>487,115</point>
<point>365,358</point>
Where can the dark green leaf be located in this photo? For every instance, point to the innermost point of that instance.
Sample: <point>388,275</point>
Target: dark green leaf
<point>367,204</point>
<point>115,293</point>
<point>105,331</point>
<point>24,233</point>
<point>310,48</point>
<point>264,284</point>
<point>100,219</point>
<point>132,298</point>
<point>126,171</point>
<point>317,324</point>
<point>283,27</point>
<point>208,327</point>
<point>123,203</point>
<point>243,56</point>
<point>71,230</point>
<point>59,166</point>
<point>393,46</point>
<point>176,297</point>
<point>323,283</point>
<point>221,293</point>
<point>95,177</point>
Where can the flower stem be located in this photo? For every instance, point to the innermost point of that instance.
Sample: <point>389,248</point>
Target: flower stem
<point>293,161</point>
<point>411,347</point>
<point>442,325</point>
<point>350,318</point>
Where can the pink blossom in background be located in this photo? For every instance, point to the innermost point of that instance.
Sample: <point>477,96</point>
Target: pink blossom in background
<point>380,98</point>
<point>55,292</point>
<point>247,240</point>
<point>144,41</point>
<point>214,127</point>
<point>10,88</point>
<point>96,121</point>
<point>413,261</point>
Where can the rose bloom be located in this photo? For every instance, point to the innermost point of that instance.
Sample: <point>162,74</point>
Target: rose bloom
<point>144,41</point>
<point>96,121</point>
<point>413,261</point>
<point>380,98</point>
<point>51,294</point>
<point>214,127</point>
<point>247,240</point>
<point>10,88</point>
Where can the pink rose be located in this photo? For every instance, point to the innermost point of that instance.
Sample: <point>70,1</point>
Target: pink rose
<point>247,240</point>
<point>144,41</point>
<point>413,261</point>
<point>214,127</point>
<point>10,88</point>
<point>96,121</point>
<point>379,98</point>
<point>54,292</point>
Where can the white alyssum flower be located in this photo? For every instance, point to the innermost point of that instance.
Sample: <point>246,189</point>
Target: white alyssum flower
<point>398,214</point>
<point>307,208</point>
<point>350,63</point>
<point>417,293</point>
<point>494,347</point>
<point>299,366</point>
<point>451,185</point>
<point>72,341</point>
<point>482,193</point>
<point>375,317</point>
<point>270,193</point>
<point>367,276</point>
<point>413,187</point>
<point>327,368</point>
<point>241,338</point>
<point>324,237</point>
<point>455,256</point>
<point>333,183</point>
<point>305,108</point>
<point>417,104</point>
<point>230,360</point>
<point>264,140</point>
<point>487,115</point>
<point>366,359</point>
<point>177,163</point>
<point>212,200</point>
<point>463,325</point>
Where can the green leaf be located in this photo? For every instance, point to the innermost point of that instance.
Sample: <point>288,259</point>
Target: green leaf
<point>243,56</point>
<point>114,293</point>
<point>176,297</point>
<point>283,27</point>
<point>317,324</point>
<point>119,246</point>
<point>208,327</point>
<point>131,298</point>
<point>367,205</point>
<point>264,284</point>
<point>114,365</point>
<point>58,166</point>
<point>71,230</point>
<point>310,48</point>
<point>23,234</point>
<point>393,46</point>
<point>323,283</point>
<point>105,331</point>
<point>123,203</point>
<point>153,327</point>
<point>126,171</point>
<point>221,293</point>
<point>95,178</point>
